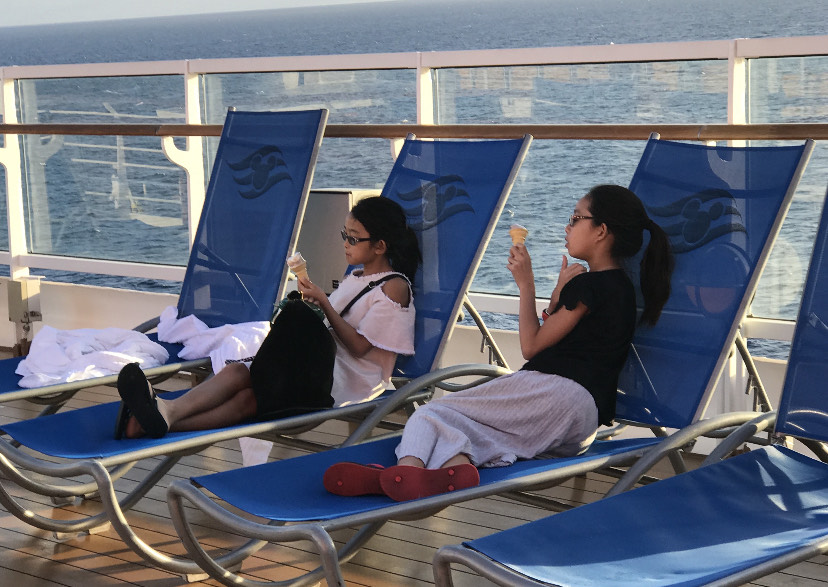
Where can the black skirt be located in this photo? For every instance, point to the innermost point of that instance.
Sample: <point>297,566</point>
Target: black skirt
<point>293,371</point>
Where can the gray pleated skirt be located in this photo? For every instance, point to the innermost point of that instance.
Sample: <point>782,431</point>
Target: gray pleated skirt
<point>517,416</point>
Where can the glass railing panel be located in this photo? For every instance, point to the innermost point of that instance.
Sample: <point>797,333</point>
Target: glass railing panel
<point>619,93</point>
<point>352,97</point>
<point>104,197</point>
<point>556,173</point>
<point>791,90</point>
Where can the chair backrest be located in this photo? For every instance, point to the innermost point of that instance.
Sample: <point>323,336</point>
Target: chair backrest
<point>722,208</point>
<point>452,192</point>
<point>803,407</point>
<point>252,211</point>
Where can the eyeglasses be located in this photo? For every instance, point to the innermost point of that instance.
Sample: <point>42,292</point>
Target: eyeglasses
<point>353,240</point>
<point>576,217</point>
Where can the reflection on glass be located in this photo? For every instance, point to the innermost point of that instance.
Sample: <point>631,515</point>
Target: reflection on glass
<point>557,173</point>
<point>674,92</point>
<point>120,198</point>
<point>104,197</point>
<point>791,90</point>
<point>351,97</point>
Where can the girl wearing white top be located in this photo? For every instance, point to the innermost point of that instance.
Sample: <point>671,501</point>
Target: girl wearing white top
<point>377,327</point>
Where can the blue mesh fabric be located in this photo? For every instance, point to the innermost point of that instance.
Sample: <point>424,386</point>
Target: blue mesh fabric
<point>719,205</point>
<point>452,192</point>
<point>84,433</point>
<point>687,530</point>
<point>255,196</point>
<point>803,410</point>
<point>292,490</point>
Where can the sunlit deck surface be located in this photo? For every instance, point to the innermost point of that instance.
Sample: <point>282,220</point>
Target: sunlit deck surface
<point>399,555</point>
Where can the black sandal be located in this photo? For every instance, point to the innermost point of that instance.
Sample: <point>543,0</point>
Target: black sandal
<point>139,397</point>
<point>122,420</point>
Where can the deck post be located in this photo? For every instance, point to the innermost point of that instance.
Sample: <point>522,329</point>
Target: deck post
<point>737,89</point>
<point>191,158</point>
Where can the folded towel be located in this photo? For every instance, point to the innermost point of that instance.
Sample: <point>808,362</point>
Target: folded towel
<point>173,329</point>
<point>222,343</point>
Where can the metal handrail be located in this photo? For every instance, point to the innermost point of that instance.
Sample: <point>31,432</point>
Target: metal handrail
<point>688,132</point>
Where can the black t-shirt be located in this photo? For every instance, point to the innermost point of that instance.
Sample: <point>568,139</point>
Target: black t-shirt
<point>593,353</point>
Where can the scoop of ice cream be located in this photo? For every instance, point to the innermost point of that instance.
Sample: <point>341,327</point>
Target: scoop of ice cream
<point>298,265</point>
<point>518,233</point>
<point>295,260</point>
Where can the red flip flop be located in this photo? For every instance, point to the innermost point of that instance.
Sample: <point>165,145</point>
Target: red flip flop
<point>351,479</point>
<point>402,482</point>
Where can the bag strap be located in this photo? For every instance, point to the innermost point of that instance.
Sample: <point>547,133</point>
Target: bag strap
<point>371,285</point>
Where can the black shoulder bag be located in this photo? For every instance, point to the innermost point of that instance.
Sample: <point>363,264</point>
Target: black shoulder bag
<point>292,373</point>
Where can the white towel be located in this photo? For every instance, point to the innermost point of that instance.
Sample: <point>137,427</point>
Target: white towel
<point>58,356</point>
<point>222,343</point>
<point>172,329</point>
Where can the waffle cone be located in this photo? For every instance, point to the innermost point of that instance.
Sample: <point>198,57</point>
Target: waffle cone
<point>518,234</point>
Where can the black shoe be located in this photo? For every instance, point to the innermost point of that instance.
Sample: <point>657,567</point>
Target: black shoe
<point>139,397</point>
<point>121,422</point>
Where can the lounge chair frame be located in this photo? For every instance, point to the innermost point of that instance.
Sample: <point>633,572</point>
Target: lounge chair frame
<point>744,428</point>
<point>544,472</point>
<point>318,532</point>
<point>53,397</point>
<point>106,469</point>
<point>788,502</point>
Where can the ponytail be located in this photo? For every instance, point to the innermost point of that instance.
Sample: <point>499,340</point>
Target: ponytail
<point>384,219</point>
<point>625,217</point>
<point>656,270</point>
<point>405,256</point>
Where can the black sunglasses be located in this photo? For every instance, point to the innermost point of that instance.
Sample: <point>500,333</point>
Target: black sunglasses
<point>353,240</point>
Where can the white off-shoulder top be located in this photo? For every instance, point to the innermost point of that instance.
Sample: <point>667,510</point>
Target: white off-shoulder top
<point>387,325</point>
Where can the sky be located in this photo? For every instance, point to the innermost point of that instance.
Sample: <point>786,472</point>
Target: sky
<point>33,12</point>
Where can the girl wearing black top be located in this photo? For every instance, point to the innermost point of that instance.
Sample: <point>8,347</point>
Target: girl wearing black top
<point>567,387</point>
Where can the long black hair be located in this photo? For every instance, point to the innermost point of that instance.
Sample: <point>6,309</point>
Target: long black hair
<point>625,217</point>
<point>384,220</point>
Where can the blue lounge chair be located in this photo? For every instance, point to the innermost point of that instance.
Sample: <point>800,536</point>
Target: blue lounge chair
<point>727,523</point>
<point>755,187</point>
<point>453,193</point>
<point>258,188</point>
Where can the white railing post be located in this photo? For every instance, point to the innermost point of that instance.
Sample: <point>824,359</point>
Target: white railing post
<point>10,160</point>
<point>737,94</point>
<point>737,88</point>
<point>425,101</point>
<point>425,93</point>
<point>23,292</point>
<point>191,159</point>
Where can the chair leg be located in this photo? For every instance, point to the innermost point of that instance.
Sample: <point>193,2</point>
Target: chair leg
<point>442,566</point>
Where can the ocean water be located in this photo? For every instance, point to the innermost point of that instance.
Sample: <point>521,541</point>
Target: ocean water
<point>560,171</point>
<point>410,25</point>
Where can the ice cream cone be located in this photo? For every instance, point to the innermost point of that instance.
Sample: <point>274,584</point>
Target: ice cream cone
<point>518,234</point>
<point>298,265</point>
<point>301,271</point>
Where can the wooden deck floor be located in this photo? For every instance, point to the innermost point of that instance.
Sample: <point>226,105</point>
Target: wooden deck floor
<point>400,555</point>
